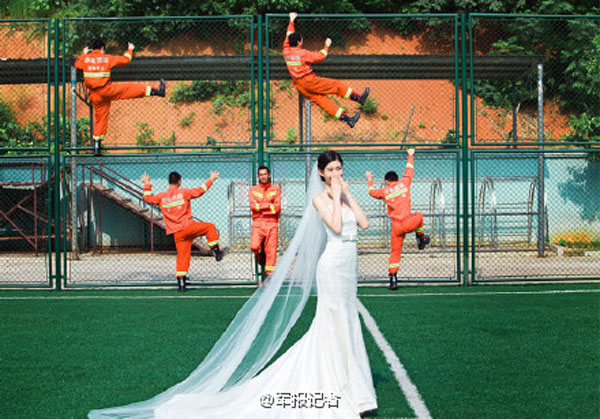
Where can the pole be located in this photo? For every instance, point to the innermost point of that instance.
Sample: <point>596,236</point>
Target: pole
<point>261,82</point>
<point>56,183</point>
<point>541,192</point>
<point>300,117</point>
<point>74,238</point>
<point>307,140</point>
<point>514,113</point>
<point>466,280</point>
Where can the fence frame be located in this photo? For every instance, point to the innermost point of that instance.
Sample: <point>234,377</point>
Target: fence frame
<point>262,149</point>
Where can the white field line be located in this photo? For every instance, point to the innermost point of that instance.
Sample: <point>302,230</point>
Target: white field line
<point>477,293</point>
<point>205,297</point>
<point>408,388</point>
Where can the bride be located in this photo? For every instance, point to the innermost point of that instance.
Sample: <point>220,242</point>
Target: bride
<point>326,374</point>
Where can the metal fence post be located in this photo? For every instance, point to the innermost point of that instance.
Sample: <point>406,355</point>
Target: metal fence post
<point>541,193</point>
<point>465,150</point>
<point>74,241</point>
<point>261,84</point>
<point>56,183</point>
<point>307,140</point>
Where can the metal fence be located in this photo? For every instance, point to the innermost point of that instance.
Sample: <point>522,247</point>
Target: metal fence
<point>369,51</point>
<point>207,62</point>
<point>535,215</point>
<point>503,109</point>
<point>544,91</point>
<point>26,62</point>
<point>26,224</point>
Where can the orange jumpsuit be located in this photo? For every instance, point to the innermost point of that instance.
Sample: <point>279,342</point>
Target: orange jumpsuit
<point>397,198</point>
<point>313,88</point>
<point>96,77</point>
<point>265,204</point>
<point>177,213</point>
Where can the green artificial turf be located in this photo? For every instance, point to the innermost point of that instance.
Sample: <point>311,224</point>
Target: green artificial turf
<point>469,355</point>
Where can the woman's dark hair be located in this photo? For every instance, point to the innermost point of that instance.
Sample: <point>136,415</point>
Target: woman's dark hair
<point>174,177</point>
<point>391,176</point>
<point>98,44</point>
<point>326,158</point>
<point>294,39</point>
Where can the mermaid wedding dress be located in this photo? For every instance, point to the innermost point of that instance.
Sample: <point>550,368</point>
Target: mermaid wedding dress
<point>325,374</point>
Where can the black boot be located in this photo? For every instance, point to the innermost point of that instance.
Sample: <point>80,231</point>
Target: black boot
<point>181,283</point>
<point>160,91</point>
<point>422,241</point>
<point>350,120</point>
<point>97,148</point>
<point>217,252</point>
<point>362,98</point>
<point>393,281</point>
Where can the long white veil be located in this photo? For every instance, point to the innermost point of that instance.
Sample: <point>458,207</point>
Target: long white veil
<point>260,327</point>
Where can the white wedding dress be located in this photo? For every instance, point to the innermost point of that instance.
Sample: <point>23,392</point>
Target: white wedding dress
<point>326,374</point>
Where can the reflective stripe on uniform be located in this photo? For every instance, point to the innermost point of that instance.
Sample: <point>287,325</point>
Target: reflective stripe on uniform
<point>371,188</point>
<point>288,33</point>
<point>272,208</point>
<point>146,193</point>
<point>257,206</point>
<point>410,165</point>
<point>203,186</point>
<point>339,113</point>
<point>420,229</point>
<point>269,268</point>
<point>272,193</point>
<point>173,204</point>
<point>181,273</point>
<point>211,244</point>
<point>324,52</point>
<point>348,93</point>
<point>397,193</point>
<point>257,194</point>
<point>98,137</point>
<point>394,265</point>
<point>293,63</point>
<point>128,55</point>
<point>96,74</point>
<point>148,90</point>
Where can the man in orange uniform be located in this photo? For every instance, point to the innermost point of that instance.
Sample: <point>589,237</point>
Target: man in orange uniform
<point>177,213</point>
<point>397,197</point>
<point>265,204</point>
<point>96,66</point>
<point>315,88</point>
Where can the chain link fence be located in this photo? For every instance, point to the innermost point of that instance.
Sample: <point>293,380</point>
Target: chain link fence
<point>433,193</point>
<point>25,90</point>
<point>408,62</point>
<point>208,64</point>
<point>26,225</point>
<point>532,94</point>
<point>536,216</point>
<point>534,78</point>
<point>119,239</point>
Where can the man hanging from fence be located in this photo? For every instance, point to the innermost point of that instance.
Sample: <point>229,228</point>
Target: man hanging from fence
<point>313,88</point>
<point>265,204</point>
<point>396,195</point>
<point>96,67</point>
<point>177,214</point>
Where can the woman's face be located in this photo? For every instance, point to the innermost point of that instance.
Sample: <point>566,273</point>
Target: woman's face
<point>333,169</point>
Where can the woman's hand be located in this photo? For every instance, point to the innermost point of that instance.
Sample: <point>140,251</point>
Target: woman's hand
<point>336,188</point>
<point>345,187</point>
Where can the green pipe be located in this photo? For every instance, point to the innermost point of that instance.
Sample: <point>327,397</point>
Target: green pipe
<point>465,149</point>
<point>56,183</point>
